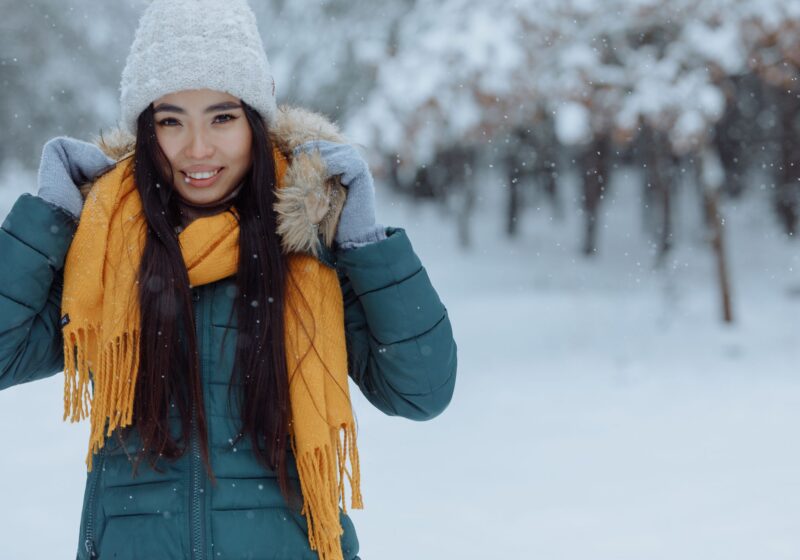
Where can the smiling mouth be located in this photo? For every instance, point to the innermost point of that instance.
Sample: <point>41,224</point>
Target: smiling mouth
<point>202,176</point>
<point>202,183</point>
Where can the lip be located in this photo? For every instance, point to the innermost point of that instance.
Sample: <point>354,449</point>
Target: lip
<point>202,183</point>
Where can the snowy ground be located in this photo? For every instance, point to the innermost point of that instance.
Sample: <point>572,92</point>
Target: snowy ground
<point>602,410</point>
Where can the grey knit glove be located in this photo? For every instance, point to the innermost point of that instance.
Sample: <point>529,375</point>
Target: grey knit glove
<point>357,225</point>
<point>67,163</point>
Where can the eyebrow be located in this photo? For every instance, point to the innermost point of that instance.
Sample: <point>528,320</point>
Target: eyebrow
<point>225,106</point>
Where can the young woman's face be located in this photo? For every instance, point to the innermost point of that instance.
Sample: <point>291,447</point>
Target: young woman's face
<point>206,137</point>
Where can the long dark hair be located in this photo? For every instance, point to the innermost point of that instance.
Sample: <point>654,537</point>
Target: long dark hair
<point>167,319</point>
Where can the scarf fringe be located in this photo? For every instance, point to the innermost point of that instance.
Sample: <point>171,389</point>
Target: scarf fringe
<point>111,399</point>
<point>318,476</point>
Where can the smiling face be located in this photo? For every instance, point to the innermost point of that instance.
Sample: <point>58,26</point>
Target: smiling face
<point>207,140</point>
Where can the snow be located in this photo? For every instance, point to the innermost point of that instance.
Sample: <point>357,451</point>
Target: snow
<point>602,410</point>
<point>670,65</point>
<point>722,45</point>
<point>573,124</point>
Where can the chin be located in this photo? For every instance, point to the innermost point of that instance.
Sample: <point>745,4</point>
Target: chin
<point>198,195</point>
<point>204,196</point>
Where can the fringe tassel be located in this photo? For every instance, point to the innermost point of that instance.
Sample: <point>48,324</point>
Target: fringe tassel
<point>321,506</point>
<point>321,502</point>
<point>348,450</point>
<point>111,400</point>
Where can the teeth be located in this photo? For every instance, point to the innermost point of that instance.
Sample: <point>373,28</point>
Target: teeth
<point>204,175</point>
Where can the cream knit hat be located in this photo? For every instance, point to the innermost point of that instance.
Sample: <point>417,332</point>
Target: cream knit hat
<point>196,44</point>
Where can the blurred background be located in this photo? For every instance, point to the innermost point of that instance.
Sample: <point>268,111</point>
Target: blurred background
<point>606,195</point>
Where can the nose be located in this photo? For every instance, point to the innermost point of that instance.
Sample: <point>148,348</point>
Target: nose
<point>199,147</point>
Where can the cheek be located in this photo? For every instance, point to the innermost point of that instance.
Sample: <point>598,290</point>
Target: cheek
<point>242,145</point>
<point>169,150</point>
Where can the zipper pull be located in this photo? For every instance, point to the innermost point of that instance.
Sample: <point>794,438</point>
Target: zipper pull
<point>90,548</point>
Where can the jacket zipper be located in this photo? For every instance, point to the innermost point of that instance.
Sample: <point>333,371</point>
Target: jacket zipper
<point>196,517</point>
<point>198,552</point>
<point>88,541</point>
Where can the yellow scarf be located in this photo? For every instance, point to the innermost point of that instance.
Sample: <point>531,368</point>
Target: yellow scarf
<point>101,339</point>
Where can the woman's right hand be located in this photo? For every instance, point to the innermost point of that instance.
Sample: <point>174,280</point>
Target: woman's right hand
<point>67,163</point>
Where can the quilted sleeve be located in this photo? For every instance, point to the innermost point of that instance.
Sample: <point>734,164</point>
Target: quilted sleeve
<point>34,239</point>
<point>401,350</point>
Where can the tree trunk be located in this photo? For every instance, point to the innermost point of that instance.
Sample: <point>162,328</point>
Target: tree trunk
<point>658,179</point>
<point>734,131</point>
<point>546,171</point>
<point>512,211</point>
<point>787,194</point>
<point>455,177</point>
<point>711,178</point>
<point>519,161</point>
<point>465,210</point>
<point>595,165</point>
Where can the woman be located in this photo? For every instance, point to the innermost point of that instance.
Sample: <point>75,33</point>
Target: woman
<point>207,295</point>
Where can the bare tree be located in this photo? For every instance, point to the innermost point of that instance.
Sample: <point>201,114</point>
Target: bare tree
<point>710,180</point>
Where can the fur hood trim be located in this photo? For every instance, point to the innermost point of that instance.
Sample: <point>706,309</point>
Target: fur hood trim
<point>309,203</point>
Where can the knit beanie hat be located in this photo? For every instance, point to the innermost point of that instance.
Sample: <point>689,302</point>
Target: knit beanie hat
<point>196,44</point>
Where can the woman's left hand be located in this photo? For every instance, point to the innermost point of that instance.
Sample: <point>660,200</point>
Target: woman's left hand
<point>357,225</point>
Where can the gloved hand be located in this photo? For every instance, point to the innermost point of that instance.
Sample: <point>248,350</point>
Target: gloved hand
<point>357,225</point>
<point>66,163</point>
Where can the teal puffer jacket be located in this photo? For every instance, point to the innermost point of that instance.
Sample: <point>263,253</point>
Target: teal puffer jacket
<point>401,355</point>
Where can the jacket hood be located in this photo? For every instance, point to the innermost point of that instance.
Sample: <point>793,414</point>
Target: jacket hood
<point>309,203</point>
